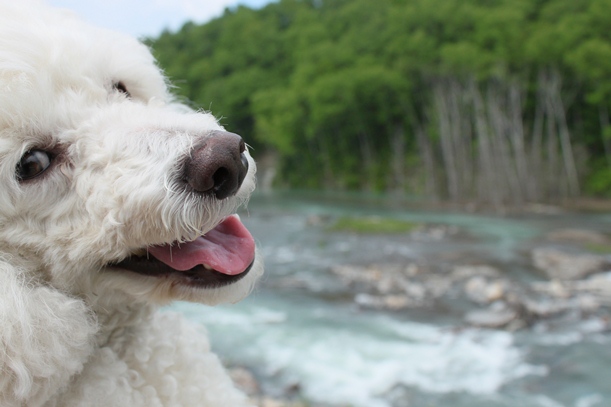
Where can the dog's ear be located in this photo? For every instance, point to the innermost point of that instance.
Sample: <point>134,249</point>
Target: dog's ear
<point>45,337</point>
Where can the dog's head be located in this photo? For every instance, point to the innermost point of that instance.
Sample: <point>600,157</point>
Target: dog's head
<point>110,190</point>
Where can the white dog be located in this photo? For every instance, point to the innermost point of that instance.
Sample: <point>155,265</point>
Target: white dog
<point>114,200</point>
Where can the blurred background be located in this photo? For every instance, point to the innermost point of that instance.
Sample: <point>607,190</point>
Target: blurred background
<point>434,201</point>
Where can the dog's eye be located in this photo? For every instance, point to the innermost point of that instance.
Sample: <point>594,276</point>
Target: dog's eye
<point>32,164</point>
<point>120,87</point>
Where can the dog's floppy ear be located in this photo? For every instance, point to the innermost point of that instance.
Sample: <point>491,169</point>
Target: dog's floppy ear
<point>45,337</point>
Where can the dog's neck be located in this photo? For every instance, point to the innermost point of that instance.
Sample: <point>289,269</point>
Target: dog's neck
<point>120,324</point>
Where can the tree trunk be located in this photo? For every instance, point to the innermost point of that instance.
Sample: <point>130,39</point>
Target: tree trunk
<point>504,159</point>
<point>445,136</point>
<point>398,172</point>
<point>461,137</point>
<point>516,134</point>
<point>565,137</point>
<point>426,152</point>
<point>603,114</point>
<point>536,188</point>
<point>488,182</point>
<point>368,181</point>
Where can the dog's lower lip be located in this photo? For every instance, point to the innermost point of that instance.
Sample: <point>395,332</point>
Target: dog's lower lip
<point>199,276</point>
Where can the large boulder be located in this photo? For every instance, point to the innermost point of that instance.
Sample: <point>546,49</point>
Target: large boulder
<point>562,265</point>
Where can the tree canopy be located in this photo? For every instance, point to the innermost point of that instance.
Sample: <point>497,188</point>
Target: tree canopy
<point>499,101</point>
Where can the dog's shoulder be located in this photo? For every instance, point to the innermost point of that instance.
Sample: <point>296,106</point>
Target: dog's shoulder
<point>46,338</point>
<point>167,362</point>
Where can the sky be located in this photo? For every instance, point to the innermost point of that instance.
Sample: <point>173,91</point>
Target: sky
<point>148,18</point>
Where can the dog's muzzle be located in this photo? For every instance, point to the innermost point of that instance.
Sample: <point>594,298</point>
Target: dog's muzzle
<point>216,168</point>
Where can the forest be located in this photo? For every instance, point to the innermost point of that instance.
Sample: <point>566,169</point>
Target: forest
<point>498,102</point>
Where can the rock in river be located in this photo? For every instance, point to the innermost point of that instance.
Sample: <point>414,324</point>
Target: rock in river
<point>562,265</point>
<point>494,317</point>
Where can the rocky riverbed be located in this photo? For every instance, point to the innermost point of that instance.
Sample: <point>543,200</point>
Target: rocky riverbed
<point>570,277</point>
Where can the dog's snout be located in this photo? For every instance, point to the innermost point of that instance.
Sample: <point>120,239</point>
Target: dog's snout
<point>218,166</point>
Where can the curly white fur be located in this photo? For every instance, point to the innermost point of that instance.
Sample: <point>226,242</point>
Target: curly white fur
<point>75,333</point>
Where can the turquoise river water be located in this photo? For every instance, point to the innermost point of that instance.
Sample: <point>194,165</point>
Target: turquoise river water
<point>300,330</point>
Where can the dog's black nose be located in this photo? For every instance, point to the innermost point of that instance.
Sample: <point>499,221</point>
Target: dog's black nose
<point>218,166</point>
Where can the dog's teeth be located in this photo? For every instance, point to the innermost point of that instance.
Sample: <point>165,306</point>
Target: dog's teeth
<point>207,267</point>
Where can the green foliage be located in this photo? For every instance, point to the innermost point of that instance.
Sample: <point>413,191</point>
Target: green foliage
<point>592,58</point>
<point>599,181</point>
<point>599,248</point>
<point>326,83</point>
<point>372,225</point>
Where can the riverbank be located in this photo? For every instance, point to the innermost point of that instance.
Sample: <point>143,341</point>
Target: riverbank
<point>596,205</point>
<point>579,205</point>
<point>393,201</point>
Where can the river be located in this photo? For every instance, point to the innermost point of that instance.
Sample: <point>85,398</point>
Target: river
<point>301,330</point>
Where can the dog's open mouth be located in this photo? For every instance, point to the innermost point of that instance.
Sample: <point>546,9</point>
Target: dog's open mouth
<point>222,256</point>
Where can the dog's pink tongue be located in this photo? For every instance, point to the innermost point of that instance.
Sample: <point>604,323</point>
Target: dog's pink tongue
<point>228,248</point>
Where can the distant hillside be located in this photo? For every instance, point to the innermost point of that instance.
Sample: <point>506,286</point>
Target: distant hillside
<point>493,101</point>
